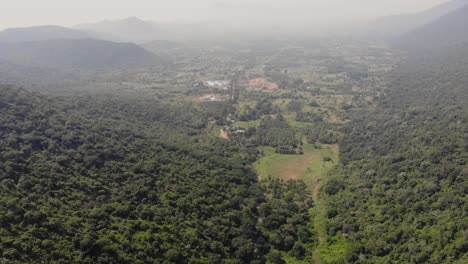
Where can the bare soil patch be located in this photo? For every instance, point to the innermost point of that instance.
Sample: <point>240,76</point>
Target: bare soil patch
<point>263,85</point>
<point>223,134</point>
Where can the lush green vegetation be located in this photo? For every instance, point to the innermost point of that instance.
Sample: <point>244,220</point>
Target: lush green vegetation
<point>277,133</point>
<point>263,106</point>
<point>354,159</point>
<point>401,194</point>
<point>132,180</point>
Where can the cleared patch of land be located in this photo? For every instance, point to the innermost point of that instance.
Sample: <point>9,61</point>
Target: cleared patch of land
<point>223,134</point>
<point>310,167</point>
<point>247,124</point>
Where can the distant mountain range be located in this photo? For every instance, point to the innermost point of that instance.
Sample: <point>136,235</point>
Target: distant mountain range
<point>450,30</point>
<point>64,48</point>
<point>110,45</point>
<point>143,31</point>
<point>393,26</point>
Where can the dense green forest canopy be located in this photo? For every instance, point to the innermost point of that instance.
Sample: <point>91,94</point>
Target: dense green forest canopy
<point>100,179</point>
<point>401,194</point>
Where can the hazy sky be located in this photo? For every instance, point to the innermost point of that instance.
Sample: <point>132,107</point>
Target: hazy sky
<point>17,13</point>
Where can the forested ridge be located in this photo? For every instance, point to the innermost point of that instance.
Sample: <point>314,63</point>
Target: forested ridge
<point>98,179</point>
<point>401,194</point>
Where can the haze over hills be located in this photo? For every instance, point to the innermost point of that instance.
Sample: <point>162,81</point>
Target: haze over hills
<point>401,24</point>
<point>125,30</point>
<point>47,56</point>
<point>141,31</point>
<point>448,30</point>
<point>40,33</point>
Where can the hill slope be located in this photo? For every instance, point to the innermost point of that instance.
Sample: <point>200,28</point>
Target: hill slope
<point>449,30</point>
<point>85,54</point>
<point>397,25</point>
<point>402,194</point>
<point>40,33</point>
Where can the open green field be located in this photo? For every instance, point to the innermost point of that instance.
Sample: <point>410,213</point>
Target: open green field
<point>310,167</point>
<point>247,124</point>
<point>291,119</point>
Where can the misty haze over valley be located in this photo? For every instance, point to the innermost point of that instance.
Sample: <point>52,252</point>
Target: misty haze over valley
<point>231,132</point>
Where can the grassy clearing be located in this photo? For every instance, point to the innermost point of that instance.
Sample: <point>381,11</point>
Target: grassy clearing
<point>242,106</point>
<point>309,167</point>
<point>332,250</point>
<point>291,119</point>
<point>247,124</point>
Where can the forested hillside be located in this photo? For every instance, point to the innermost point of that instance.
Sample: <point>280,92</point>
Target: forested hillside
<point>401,194</point>
<point>122,180</point>
<point>442,33</point>
<point>81,54</point>
<point>398,25</point>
